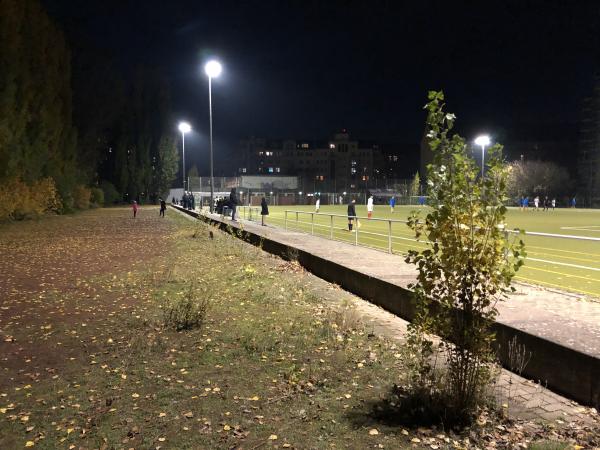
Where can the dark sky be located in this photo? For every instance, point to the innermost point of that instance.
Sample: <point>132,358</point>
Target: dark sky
<point>517,70</point>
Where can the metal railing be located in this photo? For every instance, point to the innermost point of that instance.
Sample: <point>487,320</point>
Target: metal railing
<point>356,225</point>
<point>249,212</point>
<point>295,217</point>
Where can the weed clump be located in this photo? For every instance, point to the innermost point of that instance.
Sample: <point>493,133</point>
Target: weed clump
<point>187,312</point>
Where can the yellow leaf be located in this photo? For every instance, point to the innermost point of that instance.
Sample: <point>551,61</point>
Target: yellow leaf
<point>273,437</point>
<point>373,431</point>
<point>29,444</point>
<point>415,440</point>
<point>24,418</point>
<point>70,430</point>
<point>254,399</point>
<point>162,414</point>
<point>161,439</point>
<point>227,428</point>
<point>135,395</point>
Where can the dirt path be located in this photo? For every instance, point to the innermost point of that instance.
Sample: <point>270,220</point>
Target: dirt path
<point>43,290</point>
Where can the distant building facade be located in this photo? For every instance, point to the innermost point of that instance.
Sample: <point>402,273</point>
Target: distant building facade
<point>589,151</point>
<point>335,165</point>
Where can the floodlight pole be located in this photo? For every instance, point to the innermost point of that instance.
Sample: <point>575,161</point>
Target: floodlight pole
<point>183,157</point>
<point>211,144</point>
<point>482,159</point>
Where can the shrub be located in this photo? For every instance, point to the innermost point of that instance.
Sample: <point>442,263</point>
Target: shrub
<point>20,201</point>
<point>465,270</point>
<point>81,197</point>
<point>111,195</point>
<point>187,312</point>
<point>97,197</point>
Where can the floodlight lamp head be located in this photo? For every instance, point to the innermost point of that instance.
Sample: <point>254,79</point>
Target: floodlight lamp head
<point>185,127</point>
<point>483,140</point>
<point>213,68</point>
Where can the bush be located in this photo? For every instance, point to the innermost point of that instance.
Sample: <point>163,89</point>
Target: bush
<point>465,269</point>
<point>97,198</point>
<point>20,201</point>
<point>81,197</point>
<point>187,312</point>
<point>111,195</point>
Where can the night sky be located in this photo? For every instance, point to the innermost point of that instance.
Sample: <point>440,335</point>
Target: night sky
<point>303,69</point>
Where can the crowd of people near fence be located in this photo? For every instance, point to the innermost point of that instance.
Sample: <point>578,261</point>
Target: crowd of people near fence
<point>187,201</point>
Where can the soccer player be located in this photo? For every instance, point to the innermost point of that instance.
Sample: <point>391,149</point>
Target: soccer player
<point>351,214</point>
<point>370,207</point>
<point>317,204</point>
<point>392,204</point>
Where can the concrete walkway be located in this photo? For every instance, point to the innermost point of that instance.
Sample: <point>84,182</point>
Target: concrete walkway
<point>565,320</point>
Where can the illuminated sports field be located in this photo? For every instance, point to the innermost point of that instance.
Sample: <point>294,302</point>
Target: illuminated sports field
<point>567,264</point>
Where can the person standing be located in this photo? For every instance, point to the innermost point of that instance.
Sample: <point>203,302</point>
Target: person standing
<point>233,202</point>
<point>163,207</point>
<point>370,207</point>
<point>351,214</point>
<point>573,202</point>
<point>317,204</point>
<point>553,204</point>
<point>546,203</point>
<point>536,202</point>
<point>135,207</point>
<point>392,204</point>
<point>264,210</point>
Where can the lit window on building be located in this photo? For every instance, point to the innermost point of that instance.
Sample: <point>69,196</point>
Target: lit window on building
<point>332,146</point>
<point>277,169</point>
<point>305,145</point>
<point>353,170</point>
<point>353,162</point>
<point>261,153</point>
<point>270,170</point>
<point>269,153</point>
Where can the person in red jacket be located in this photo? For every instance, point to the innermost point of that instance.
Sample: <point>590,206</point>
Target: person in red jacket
<point>135,207</point>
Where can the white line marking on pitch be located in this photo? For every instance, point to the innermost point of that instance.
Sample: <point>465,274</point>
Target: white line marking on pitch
<point>583,228</point>
<point>577,266</point>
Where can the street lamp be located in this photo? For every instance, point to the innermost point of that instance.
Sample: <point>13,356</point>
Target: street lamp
<point>212,69</point>
<point>483,141</point>
<point>184,127</point>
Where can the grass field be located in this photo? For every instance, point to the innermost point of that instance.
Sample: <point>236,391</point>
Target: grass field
<point>567,264</point>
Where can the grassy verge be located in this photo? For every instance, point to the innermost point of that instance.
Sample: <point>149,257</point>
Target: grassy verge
<point>272,365</point>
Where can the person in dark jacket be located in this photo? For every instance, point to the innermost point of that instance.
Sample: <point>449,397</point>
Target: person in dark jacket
<point>351,214</point>
<point>233,202</point>
<point>264,210</point>
<point>163,207</point>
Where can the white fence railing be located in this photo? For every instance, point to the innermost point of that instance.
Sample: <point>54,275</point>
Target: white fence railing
<point>307,218</point>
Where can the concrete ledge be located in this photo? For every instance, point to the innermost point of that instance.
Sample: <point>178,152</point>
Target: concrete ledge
<point>562,369</point>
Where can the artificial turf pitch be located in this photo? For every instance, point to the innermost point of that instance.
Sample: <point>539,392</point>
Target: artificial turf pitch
<point>565,264</point>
